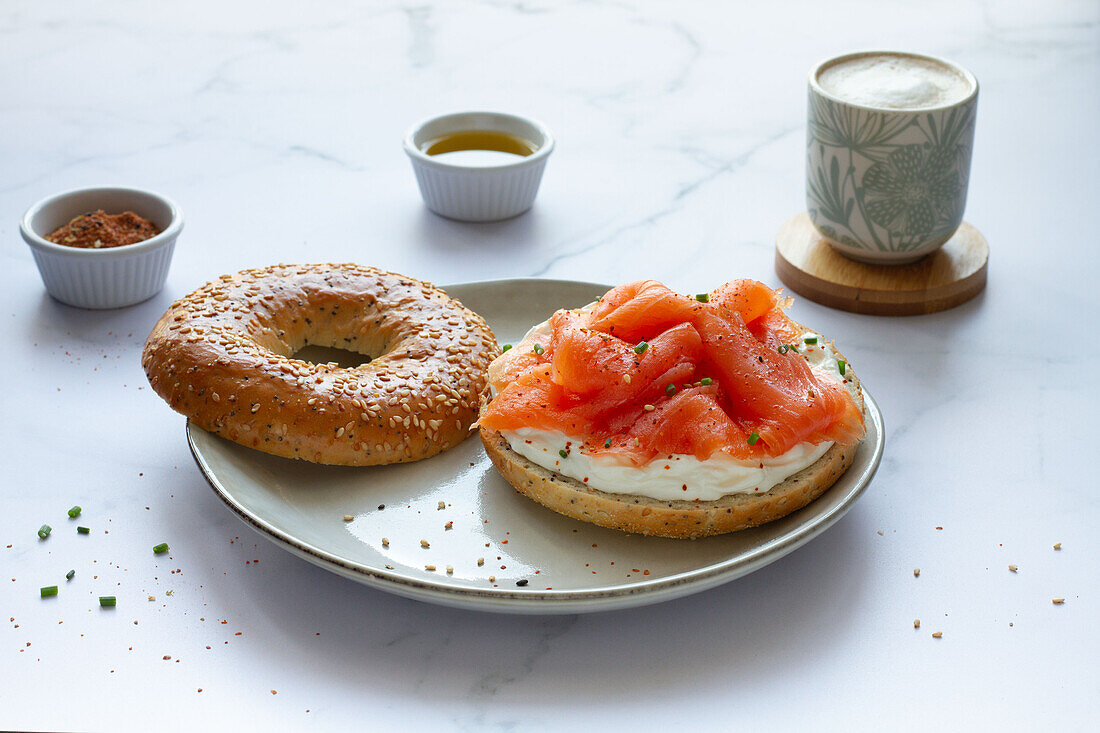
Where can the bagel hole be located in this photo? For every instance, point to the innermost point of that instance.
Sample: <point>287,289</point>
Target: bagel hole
<point>344,358</point>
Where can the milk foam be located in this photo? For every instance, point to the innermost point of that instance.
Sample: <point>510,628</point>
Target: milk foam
<point>894,82</point>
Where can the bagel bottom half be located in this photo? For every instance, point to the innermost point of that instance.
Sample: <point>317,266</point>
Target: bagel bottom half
<point>678,519</point>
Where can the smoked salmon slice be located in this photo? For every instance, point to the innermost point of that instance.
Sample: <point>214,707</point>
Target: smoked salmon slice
<point>647,372</point>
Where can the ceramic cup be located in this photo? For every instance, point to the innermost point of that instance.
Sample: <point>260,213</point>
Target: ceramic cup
<point>887,185</point>
<point>110,277</point>
<point>474,192</point>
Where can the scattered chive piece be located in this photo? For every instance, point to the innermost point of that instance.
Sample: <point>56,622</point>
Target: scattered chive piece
<point>783,349</point>
<point>505,347</point>
<point>539,350</point>
<point>69,575</point>
<point>162,547</point>
<point>607,443</point>
<point>703,297</point>
<point>706,381</point>
<point>810,340</point>
<point>563,453</point>
<point>44,531</point>
<point>106,600</point>
<point>840,365</point>
<point>74,512</point>
<point>83,530</point>
<point>670,390</point>
<point>641,347</point>
<point>754,438</point>
<point>48,590</point>
<point>793,348</point>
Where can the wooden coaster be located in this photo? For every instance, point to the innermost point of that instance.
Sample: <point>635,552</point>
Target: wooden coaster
<point>951,275</point>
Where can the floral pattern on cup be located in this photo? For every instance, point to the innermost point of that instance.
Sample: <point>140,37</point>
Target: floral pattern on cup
<point>887,185</point>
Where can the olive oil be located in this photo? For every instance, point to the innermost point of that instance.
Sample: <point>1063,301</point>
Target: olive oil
<point>479,147</point>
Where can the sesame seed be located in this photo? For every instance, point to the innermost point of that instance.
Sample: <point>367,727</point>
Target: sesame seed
<point>1057,601</point>
<point>916,623</point>
<point>916,572</point>
<point>424,544</point>
<point>1057,545</point>
<point>480,561</point>
<point>385,542</point>
<point>1012,568</point>
<point>441,505</point>
<point>937,634</point>
<point>348,517</point>
<point>649,408</point>
<point>430,567</point>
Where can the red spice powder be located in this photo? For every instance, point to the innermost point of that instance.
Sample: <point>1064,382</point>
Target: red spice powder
<point>99,230</point>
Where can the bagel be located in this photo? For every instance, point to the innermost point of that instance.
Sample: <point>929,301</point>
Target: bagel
<point>606,476</point>
<point>223,356</point>
<point>674,519</point>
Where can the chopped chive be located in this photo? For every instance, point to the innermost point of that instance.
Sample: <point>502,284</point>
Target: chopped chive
<point>703,297</point>
<point>810,340</point>
<point>538,349</point>
<point>783,349</point>
<point>69,575</point>
<point>706,381</point>
<point>607,443</point>
<point>106,600</point>
<point>563,453</point>
<point>83,530</point>
<point>670,390</point>
<point>793,348</point>
<point>641,347</point>
<point>754,438</point>
<point>74,512</point>
<point>840,365</point>
<point>505,347</point>
<point>48,590</point>
<point>44,531</point>
<point>162,547</point>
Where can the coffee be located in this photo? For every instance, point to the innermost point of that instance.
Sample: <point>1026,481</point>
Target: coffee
<point>894,81</point>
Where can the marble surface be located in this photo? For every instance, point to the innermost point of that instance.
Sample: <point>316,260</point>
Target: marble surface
<point>680,133</point>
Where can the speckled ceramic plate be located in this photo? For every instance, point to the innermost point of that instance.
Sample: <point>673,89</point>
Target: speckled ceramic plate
<point>491,548</point>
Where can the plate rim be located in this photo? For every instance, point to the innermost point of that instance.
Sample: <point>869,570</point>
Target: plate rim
<point>635,593</point>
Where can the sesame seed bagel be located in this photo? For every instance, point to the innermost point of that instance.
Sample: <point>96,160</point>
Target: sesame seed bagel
<point>222,356</point>
<point>675,519</point>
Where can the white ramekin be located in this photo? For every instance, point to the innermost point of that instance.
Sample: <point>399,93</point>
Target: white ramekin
<point>112,277</point>
<point>479,193</point>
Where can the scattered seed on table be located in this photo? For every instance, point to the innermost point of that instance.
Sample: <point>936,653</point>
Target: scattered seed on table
<point>430,567</point>
<point>1057,545</point>
<point>480,561</point>
<point>348,517</point>
<point>1057,601</point>
<point>1012,568</point>
<point>385,542</point>
<point>916,623</point>
<point>937,634</point>
<point>522,582</point>
<point>425,544</point>
<point>441,505</point>
<point>916,572</point>
<point>448,525</point>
